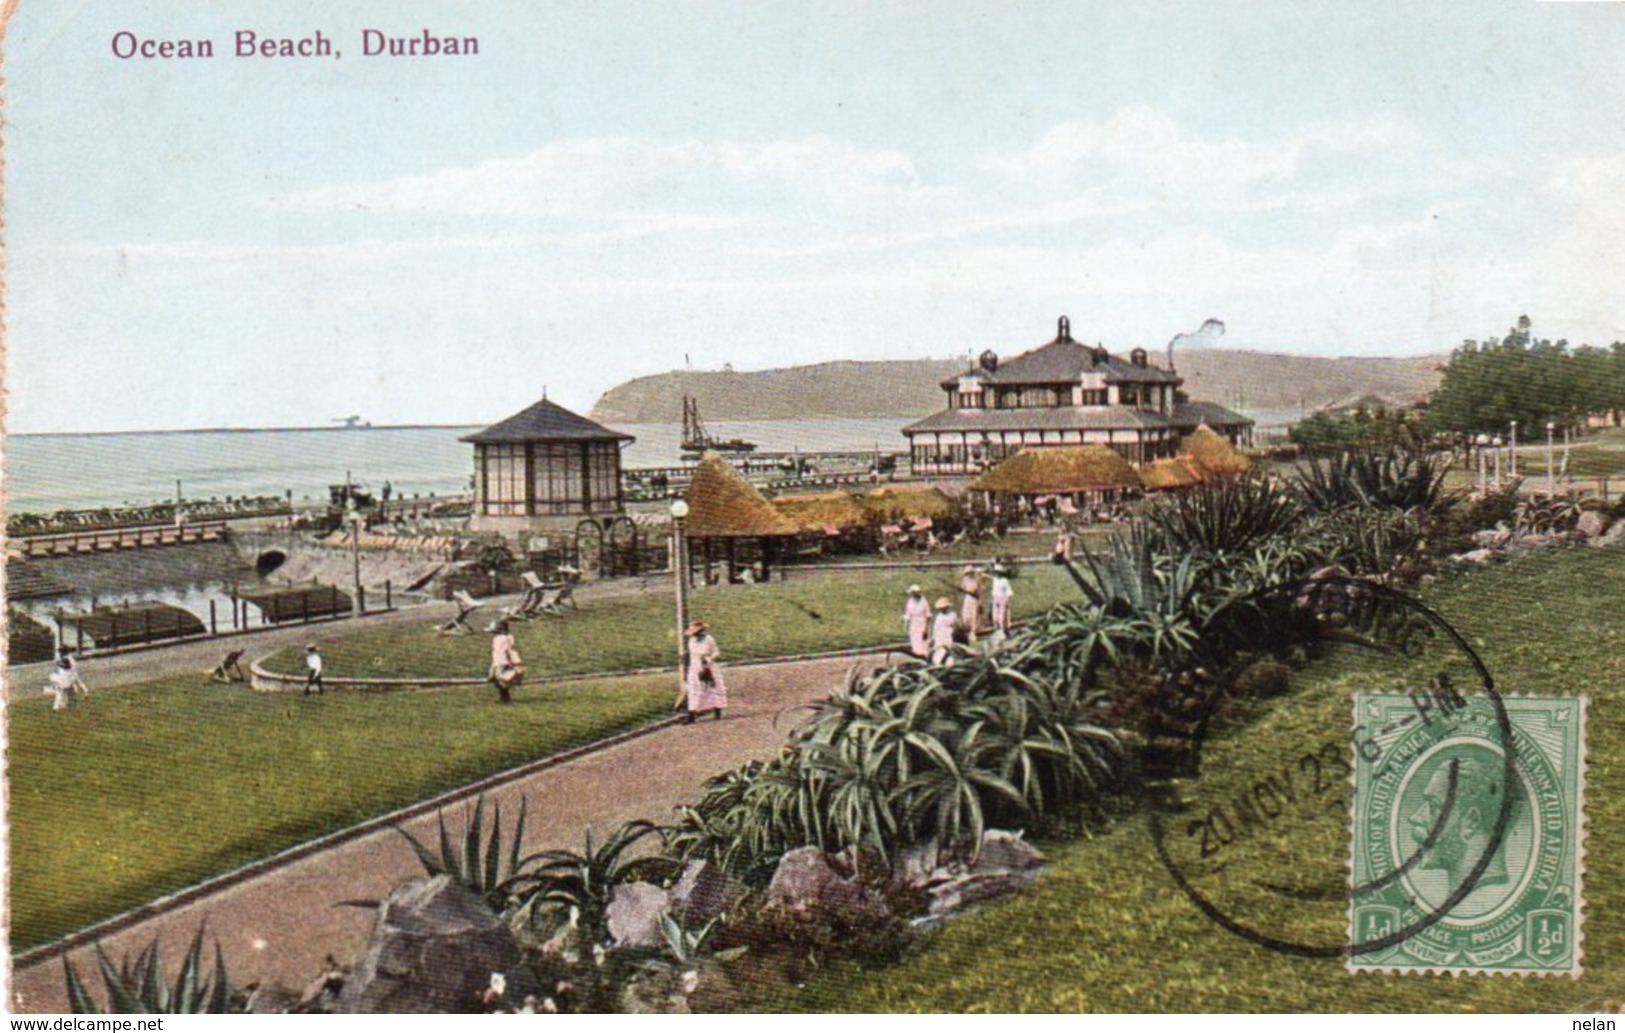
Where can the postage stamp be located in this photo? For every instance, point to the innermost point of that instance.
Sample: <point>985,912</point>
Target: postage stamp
<point>1448,818</point>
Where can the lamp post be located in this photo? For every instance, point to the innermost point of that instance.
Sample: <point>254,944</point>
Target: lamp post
<point>355,519</point>
<point>1497,443</point>
<point>1551,470</point>
<point>679,569</point>
<point>1512,473</point>
<point>1483,470</point>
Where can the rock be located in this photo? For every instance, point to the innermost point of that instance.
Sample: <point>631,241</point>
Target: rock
<point>1592,524</point>
<point>802,879</point>
<point>1477,556</point>
<point>272,999</point>
<point>920,865</point>
<point>1005,865</point>
<point>1613,536</point>
<point>633,916</point>
<point>702,893</point>
<point>433,950</point>
<point>1007,851</point>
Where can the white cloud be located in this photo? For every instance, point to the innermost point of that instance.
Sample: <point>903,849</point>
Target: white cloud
<point>592,178</point>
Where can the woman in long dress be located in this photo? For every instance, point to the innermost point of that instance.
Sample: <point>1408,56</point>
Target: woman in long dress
<point>943,626</point>
<point>1002,593</point>
<point>705,688</point>
<point>917,619</point>
<point>970,584</point>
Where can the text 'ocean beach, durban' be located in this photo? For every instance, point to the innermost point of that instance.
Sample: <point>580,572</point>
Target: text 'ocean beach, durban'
<point>249,43</point>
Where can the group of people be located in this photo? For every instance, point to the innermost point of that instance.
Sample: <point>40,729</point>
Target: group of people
<point>933,631</point>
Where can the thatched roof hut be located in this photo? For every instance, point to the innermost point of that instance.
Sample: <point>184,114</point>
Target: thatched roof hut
<point>1164,474</point>
<point>905,502</point>
<point>1213,455</point>
<point>722,504</point>
<point>827,509</point>
<point>1059,471</point>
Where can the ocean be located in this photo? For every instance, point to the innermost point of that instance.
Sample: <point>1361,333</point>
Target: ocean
<point>48,472</point>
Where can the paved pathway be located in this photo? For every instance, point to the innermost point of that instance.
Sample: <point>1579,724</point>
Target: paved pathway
<point>280,925</point>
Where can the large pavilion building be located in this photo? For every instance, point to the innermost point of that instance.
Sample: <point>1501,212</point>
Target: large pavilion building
<point>1063,393</point>
<point>546,469</point>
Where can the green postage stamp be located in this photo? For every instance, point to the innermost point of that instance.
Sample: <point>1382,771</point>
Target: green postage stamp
<point>1468,828</point>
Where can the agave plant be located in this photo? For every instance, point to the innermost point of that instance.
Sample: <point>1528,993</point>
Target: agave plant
<point>1393,478</point>
<point>559,882</point>
<point>138,986</point>
<point>1223,517</point>
<point>479,866</point>
<point>1368,542</point>
<point>1547,514</point>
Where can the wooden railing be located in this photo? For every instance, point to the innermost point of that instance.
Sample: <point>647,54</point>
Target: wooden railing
<point>67,543</point>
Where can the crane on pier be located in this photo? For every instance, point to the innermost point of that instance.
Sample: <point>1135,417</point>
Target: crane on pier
<point>351,422</point>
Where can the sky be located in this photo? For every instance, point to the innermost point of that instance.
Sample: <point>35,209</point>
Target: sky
<point>610,190</point>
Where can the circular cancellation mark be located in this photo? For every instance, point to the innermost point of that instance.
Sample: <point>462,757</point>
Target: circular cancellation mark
<point>1255,828</point>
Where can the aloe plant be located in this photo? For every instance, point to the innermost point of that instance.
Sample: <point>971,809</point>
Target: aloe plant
<point>137,986</point>
<point>479,866</point>
<point>562,881</point>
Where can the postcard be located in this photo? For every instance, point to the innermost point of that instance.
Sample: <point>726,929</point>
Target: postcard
<point>734,508</point>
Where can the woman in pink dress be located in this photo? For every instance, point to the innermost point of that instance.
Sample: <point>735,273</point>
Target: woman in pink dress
<point>705,688</point>
<point>917,619</point>
<point>970,585</point>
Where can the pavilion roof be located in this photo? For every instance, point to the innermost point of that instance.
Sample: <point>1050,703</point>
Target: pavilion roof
<point>722,504</point>
<point>811,512</point>
<point>1179,472</point>
<point>1213,455</point>
<point>1042,471</point>
<point>905,501</point>
<point>545,421</point>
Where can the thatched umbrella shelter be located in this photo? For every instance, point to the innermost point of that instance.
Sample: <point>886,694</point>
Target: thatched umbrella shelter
<point>1167,474</point>
<point>1088,469</point>
<point>1213,455</point>
<point>730,520</point>
<point>906,502</point>
<point>837,509</point>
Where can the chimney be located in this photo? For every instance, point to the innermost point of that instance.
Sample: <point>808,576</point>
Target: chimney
<point>1063,329</point>
<point>990,360</point>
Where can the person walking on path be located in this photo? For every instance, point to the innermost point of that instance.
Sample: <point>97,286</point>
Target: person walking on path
<point>507,668</point>
<point>65,683</point>
<point>970,610</point>
<point>943,627</point>
<point>705,688</point>
<point>1002,593</point>
<point>917,619</point>
<point>313,669</point>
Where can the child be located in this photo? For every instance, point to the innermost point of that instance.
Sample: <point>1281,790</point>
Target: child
<point>313,667</point>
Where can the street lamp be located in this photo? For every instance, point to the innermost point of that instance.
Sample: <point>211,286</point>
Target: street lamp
<point>679,568</point>
<point>1513,472</point>
<point>1551,470</point>
<point>1483,471</point>
<point>1497,443</point>
<point>355,519</point>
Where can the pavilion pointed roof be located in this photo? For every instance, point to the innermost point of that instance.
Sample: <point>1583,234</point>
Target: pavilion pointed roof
<point>1212,454</point>
<point>545,421</point>
<point>722,504</point>
<point>1044,471</point>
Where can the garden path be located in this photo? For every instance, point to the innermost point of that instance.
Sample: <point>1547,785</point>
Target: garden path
<point>280,925</point>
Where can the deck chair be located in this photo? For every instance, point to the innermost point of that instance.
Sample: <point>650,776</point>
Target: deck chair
<point>229,669</point>
<point>466,605</point>
<point>565,597</point>
<point>533,602</point>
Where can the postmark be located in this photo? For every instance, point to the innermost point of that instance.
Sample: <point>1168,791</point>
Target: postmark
<point>1427,792</point>
<point>1251,819</point>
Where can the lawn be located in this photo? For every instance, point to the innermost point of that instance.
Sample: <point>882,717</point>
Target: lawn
<point>1107,930</point>
<point>803,615</point>
<point>151,788</point>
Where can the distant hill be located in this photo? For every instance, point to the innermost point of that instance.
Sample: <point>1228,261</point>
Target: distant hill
<point>1256,380</point>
